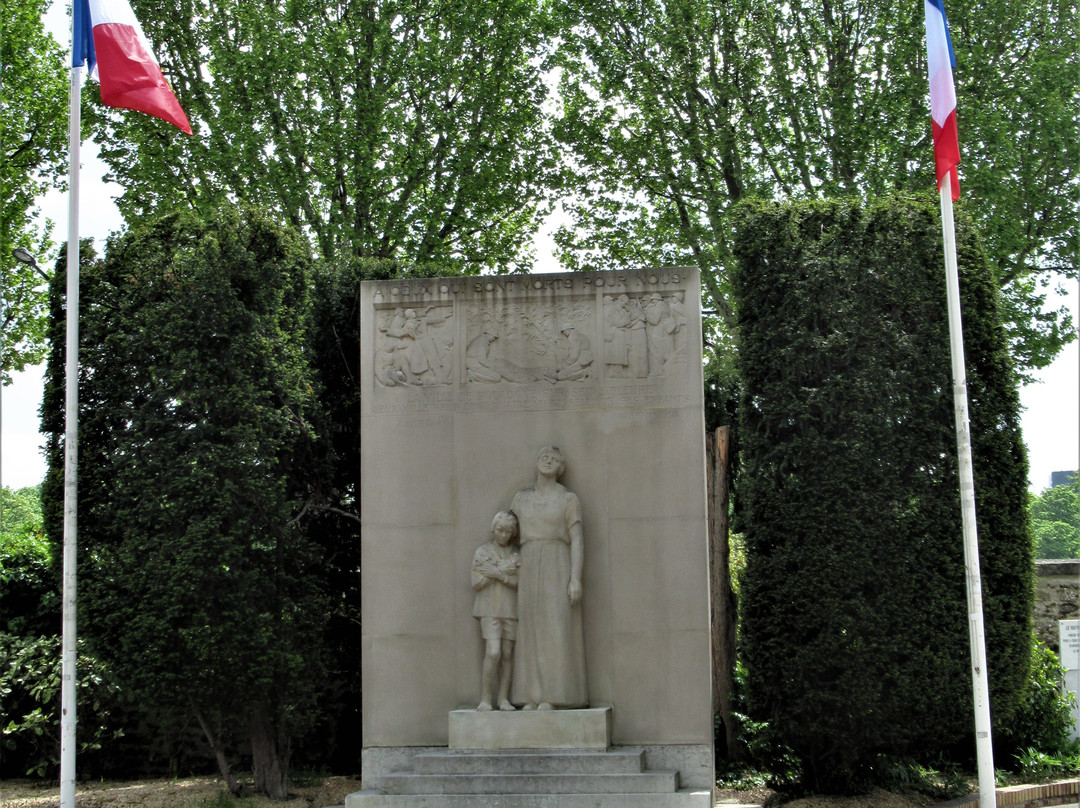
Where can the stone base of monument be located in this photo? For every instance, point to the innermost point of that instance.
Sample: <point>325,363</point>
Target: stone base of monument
<point>534,729</point>
<point>529,760</point>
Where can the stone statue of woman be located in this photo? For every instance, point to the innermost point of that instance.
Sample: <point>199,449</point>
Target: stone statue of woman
<point>550,659</point>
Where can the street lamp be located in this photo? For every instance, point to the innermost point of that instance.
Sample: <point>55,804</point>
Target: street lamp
<point>24,256</point>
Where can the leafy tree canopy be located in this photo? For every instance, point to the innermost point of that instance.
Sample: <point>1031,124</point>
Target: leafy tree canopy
<point>380,128</point>
<point>19,507</point>
<point>29,590</point>
<point>391,129</point>
<point>33,127</point>
<point>1055,521</point>
<point>676,109</point>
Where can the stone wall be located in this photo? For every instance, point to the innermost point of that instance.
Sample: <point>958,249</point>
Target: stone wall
<point>1057,597</point>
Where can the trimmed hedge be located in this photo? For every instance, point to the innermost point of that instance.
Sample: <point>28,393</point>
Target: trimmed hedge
<point>118,296</point>
<point>854,613</point>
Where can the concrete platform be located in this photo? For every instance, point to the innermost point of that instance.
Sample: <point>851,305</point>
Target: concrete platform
<point>588,729</point>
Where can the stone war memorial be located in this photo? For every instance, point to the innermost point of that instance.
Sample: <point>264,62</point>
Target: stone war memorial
<point>534,546</point>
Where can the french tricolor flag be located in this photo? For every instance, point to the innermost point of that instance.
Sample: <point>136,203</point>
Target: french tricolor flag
<point>107,35</point>
<point>940,62</point>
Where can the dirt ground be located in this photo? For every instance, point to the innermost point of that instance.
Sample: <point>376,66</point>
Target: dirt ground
<point>209,792</point>
<point>189,792</point>
<point>876,799</point>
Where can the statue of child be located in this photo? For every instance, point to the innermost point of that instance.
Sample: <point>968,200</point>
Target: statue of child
<point>495,579</point>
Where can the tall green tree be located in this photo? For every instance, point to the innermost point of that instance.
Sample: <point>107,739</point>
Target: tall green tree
<point>676,109</point>
<point>33,117</point>
<point>380,128</point>
<point>199,581</point>
<point>854,617</point>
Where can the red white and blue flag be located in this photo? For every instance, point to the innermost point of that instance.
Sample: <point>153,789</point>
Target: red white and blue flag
<point>940,62</point>
<point>110,39</point>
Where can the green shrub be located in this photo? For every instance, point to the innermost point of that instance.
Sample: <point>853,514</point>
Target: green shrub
<point>737,562</point>
<point>940,781</point>
<point>1036,765</point>
<point>763,758</point>
<point>30,708</point>
<point>1043,721</point>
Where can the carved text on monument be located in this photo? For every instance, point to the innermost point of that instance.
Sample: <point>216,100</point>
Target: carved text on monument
<point>525,284</point>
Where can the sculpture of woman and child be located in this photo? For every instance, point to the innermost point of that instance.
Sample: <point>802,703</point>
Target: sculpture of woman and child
<point>544,620</point>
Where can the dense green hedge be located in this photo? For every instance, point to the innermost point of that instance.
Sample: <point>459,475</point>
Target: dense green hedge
<point>854,617</point>
<point>176,614</point>
<point>198,586</point>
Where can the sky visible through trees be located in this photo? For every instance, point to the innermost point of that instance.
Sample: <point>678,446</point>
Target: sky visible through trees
<point>1044,429</point>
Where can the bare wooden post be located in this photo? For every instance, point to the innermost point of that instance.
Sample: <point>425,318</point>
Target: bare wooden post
<point>721,593</point>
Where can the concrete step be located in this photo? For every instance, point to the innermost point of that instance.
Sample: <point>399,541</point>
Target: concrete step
<point>613,762</point>
<point>684,798</point>
<point>651,782</point>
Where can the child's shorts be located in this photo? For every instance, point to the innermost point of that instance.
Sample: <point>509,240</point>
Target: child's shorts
<point>498,628</point>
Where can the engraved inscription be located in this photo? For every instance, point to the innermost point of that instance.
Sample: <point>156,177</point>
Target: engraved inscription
<point>416,290</point>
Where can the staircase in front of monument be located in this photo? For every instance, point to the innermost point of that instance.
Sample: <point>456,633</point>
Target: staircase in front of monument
<point>613,778</point>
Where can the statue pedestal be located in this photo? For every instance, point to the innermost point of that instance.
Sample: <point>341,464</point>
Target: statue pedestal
<point>533,729</point>
<point>530,759</point>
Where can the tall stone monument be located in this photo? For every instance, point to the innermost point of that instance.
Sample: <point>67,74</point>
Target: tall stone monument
<point>475,391</point>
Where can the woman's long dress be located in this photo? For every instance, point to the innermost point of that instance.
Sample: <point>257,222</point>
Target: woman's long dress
<point>549,660</point>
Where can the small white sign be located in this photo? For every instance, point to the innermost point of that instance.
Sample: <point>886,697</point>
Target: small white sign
<point>1069,638</point>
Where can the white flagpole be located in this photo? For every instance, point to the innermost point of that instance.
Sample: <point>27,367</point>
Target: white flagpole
<point>976,634</point>
<point>71,462</point>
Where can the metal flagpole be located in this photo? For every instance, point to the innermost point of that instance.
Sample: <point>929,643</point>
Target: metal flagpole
<point>71,462</point>
<point>155,98</point>
<point>976,634</point>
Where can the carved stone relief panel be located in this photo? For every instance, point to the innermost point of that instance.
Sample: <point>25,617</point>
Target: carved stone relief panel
<point>644,335</point>
<point>530,342</point>
<point>414,347</point>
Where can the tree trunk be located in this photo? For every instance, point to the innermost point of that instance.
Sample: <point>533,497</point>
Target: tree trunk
<point>219,753</point>
<point>722,595</point>
<point>270,752</point>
